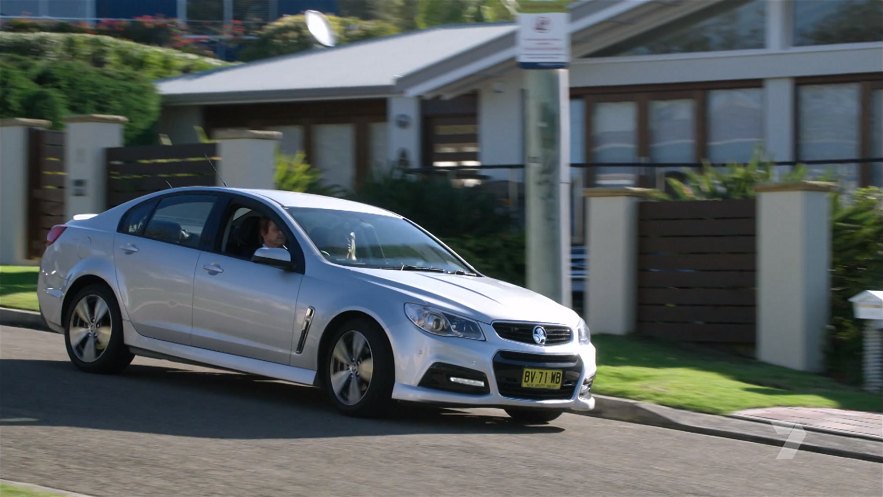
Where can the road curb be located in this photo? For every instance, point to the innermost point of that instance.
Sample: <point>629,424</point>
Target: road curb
<point>633,411</point>
<point>22,319</point>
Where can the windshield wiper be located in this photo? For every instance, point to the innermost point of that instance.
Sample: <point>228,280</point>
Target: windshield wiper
<point>463,273</point>
<point>408,267</point>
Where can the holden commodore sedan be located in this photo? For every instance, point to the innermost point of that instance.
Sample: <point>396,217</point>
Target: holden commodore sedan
<point>320,291</point>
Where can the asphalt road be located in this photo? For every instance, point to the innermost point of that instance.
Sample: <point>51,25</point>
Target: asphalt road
<point>164,429</point>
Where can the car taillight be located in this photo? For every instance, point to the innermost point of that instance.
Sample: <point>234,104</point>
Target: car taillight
<point>54,233</point>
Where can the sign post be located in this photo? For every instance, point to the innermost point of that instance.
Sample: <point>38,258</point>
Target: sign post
<point>544,51</point>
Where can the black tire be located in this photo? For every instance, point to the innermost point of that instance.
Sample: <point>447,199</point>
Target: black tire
<point>533,416</point>
<point>93,331</point>
<point>355,386</point>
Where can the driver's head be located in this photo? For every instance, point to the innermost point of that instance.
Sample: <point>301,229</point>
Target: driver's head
<point>271,235</point>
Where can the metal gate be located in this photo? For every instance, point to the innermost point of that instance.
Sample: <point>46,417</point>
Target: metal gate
<point>46,183</point>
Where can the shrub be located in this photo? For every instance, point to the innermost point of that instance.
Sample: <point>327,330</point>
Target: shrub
<point>59,88</point>
<point>733,181</point>
<point>289,34</point>
<point>103,51</point>
<point>470,220</point>
<point>856,265</point>
<point>294,174</point>
<point>438,206</point>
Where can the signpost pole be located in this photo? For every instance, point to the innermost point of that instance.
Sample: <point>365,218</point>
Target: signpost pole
<point>544,50</point>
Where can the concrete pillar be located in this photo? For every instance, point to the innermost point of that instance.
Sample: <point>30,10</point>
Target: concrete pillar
<point>403,116</point>
<point>612,225</point>
<point>86,137</point>
<point>793,280</point>
<point>248,157</point>
<point>14,188</point>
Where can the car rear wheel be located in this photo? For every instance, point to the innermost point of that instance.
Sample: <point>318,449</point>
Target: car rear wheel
<point>93,332</point>
<point>533,416</point>
<point>358,372</point>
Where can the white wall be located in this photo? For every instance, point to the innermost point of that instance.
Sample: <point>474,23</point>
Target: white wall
<point>14,188</point>
<point>179,123</point>
<point>500,117</point>
<point>401,135</point>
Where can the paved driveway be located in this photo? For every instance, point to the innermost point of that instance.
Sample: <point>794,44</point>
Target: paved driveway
<point>164,429</point>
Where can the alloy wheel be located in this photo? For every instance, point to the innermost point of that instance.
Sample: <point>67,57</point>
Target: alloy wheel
<point>351,367</point>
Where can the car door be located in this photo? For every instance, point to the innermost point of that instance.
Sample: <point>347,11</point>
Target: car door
<point>156,249</point>
<point>242,307</point>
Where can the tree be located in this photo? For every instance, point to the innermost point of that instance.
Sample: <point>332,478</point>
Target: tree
<point>289,35</point>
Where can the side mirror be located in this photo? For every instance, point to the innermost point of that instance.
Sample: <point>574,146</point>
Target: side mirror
<point>276,257</point>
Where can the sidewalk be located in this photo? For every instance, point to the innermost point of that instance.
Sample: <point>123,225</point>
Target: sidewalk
<point>837,432</point>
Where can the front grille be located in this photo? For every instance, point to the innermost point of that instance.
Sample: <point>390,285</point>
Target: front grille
<point>509,367</point>
<point>523,332</point>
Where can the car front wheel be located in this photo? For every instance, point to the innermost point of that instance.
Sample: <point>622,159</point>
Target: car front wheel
<point>358,370</point>
<point>93,332</point>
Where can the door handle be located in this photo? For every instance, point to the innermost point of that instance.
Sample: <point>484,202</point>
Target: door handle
<point>213,268</point>
<point>129,248</point>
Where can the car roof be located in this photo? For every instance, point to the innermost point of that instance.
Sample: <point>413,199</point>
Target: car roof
<point>296,199</point>
<point>284,198</point>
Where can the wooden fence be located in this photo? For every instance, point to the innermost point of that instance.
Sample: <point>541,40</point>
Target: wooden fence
<point>136,171</point>
<point>46,182</point>
<point>696,270</point>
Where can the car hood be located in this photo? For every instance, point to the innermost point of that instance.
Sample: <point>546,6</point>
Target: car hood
<point>482,298</point>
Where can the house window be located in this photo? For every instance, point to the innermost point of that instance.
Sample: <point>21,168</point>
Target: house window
<point>660,125</point>
<point>735,124</point>
<point>334,147</point>
<point>450,132</point>
<point>731,26</point>
<point>454,141</point>
<point>378,149</point>
<point>840,119</point>
<point>828,128</point>
<point>842,21</point>
<point>292,140</point>
<point>615,139</point>
<point>672,137</point>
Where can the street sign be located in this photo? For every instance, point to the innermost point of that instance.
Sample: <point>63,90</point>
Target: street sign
<point>543,39</point>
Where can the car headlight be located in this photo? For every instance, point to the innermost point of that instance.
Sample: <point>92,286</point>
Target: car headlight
<point>441,323</point>
<point>583,331</point>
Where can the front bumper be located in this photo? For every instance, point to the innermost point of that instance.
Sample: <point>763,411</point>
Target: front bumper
<point>497,361</point>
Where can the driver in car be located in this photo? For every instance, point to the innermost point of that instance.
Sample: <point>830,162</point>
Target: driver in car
<point>271,235</point>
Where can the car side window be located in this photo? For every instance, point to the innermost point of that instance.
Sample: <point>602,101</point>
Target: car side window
<point>135,220</point>
<point>180,219</point>
<point>241,232</point>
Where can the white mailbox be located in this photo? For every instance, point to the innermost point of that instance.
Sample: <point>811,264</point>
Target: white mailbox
<point>868,305</point>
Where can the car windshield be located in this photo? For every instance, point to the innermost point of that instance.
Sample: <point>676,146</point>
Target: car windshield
<point>376,241</point>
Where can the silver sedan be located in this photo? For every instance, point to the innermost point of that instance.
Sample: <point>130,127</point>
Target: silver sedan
<point>310,289</point>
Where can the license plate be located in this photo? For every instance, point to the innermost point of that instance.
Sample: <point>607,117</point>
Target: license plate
<point>549,379</point>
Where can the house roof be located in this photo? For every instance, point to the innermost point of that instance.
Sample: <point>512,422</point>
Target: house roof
<point>368,68</point>
<point>443,61</point>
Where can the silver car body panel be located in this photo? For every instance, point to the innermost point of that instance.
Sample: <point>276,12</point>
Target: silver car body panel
<point>250,317</point>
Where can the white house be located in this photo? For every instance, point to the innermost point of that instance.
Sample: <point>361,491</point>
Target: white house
<point>661,81</point>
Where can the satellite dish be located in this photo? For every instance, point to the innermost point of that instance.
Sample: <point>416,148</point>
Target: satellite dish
<point>320,28</point>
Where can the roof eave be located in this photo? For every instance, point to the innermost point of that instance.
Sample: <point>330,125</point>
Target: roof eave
<point>284,95</point>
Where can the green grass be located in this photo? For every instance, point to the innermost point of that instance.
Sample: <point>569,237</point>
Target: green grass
<point>712,381</point>
<point>8,490</point>
<point>18,287</point>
